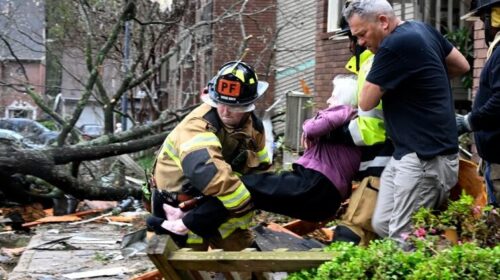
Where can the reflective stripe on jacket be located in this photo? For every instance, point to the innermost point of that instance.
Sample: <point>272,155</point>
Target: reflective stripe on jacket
<point>368,128</point>
<point>198,151</point>
<point>226,228</point>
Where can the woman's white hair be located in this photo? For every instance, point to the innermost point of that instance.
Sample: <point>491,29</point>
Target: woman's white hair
<point>345,89</point>
<point>368,9</point>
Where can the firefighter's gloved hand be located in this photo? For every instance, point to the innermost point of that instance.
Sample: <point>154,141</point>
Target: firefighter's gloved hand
<point>463,124</point>
<point>173,213</point>
<point>175,228</point>
<point>239,162</point>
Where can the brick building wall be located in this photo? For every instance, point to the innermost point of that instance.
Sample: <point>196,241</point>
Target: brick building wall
<point>480,50</point>
<point>331,57</point>
<point>213,45</point>
<point>10,72</point>
<point>227,38</point>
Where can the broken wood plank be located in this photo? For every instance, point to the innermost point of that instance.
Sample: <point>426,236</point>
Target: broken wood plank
<point>98,272</point>
<point>64,218</point>
<point>136,181</point>
<point>49,242</point>
<point>159,249</point>
<point>248,261</point>
<point>301,227</point>
<point>129,162</point>
<point>174,260</point>
<point>92,219</point>
<point>151,275</point>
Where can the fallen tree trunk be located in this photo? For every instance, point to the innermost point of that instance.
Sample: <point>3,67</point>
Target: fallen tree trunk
<point>50,164</point>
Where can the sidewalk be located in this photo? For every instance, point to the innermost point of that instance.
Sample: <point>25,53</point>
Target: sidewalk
<point>83,251</point>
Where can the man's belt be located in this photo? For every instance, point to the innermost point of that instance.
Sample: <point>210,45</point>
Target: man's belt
<point>177,199</point>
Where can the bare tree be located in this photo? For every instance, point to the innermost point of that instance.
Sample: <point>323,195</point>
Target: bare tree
<point>93,32</point>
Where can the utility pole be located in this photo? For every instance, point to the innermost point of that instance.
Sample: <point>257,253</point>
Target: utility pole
<point>126,54</point>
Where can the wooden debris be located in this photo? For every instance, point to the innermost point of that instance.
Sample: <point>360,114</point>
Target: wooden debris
<point>98,272</point>
<point>175,264</point>
<point>65,218</point>
<point>13,252</point>
<point>302,227</point>
<point>152,275</point>
<point>279,228</point>
<point>49,242</point>
<point>92,219</point>
<point>28,213</point>
<point>470,182</point>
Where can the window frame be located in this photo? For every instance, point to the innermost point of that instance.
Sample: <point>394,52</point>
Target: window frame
<point>334,13</point>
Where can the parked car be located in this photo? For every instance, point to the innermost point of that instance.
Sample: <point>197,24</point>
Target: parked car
<point>91,131</point>
<point>12,137</point>
<point>16,139</point>
<point>31,130</point>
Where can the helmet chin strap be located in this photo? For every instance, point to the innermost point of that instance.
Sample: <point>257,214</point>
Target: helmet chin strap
<point>358,50</point>
<point>488,36</point>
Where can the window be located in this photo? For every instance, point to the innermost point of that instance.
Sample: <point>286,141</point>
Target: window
<point>20,113</point>
<point>334,14</point>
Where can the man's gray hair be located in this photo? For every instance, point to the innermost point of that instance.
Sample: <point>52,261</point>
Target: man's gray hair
<point>368,9</point>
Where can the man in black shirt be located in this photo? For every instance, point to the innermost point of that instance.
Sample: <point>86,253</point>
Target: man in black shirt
<point>410,73</point>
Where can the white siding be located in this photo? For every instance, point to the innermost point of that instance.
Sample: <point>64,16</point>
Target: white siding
<point>295,46</point>
<point>409,10</point>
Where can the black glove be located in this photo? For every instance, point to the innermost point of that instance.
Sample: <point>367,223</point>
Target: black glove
<point>239,161</point>
<point>341,135</point>
<point>206,218</point>
<point>463,125</point>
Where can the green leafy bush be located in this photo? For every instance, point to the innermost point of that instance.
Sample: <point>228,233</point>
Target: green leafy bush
<point>471,223</point>
<point>384,259</point>
<point>467,261</point>
<point>475,256</point>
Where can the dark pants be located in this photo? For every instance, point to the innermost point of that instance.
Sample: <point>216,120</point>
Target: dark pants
<point>302,193</point>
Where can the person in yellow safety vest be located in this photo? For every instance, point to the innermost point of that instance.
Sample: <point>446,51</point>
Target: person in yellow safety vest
<point>204,155</point>
<point>368,132</point>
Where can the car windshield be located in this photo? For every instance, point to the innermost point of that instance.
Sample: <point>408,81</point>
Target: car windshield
<point>30,130</point>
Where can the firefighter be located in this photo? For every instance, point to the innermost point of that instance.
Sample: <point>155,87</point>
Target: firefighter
<point>319,180</point>
<point>203,157</point>
<point>367,131</point>
<point>483,119</point>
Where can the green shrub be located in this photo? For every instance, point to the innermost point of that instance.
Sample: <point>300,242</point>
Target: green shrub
<point>385,260</point>
<point>472,224</point>
<point>467,261</point>
<point>476,256</point>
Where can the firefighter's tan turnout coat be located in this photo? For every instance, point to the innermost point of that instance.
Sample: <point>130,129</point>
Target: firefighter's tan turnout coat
<point>198,153</point>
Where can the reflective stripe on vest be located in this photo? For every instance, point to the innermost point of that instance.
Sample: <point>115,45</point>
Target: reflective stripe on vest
<point>200,140</point>
<point>264,156</point>
<point>368,128</point>
<point>226,228</point>
<point>367,131</point>
<point>379,161</point>
<point>376,112</point>
<point>232,224</point>
<point>236,198</point>
<point>169,149</point>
